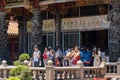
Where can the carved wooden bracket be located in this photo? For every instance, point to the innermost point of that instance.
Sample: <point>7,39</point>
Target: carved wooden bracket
<point>115,2</point>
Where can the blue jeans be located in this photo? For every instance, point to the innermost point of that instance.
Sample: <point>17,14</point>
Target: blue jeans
<point>36,64</point>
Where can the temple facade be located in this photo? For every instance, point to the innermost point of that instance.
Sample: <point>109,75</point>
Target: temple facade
<point>55,23</point>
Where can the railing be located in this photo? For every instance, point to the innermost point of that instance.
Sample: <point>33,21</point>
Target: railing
<point>67,73</point>
<point>78,72</point>
<point>111,67</point>
<point>91,72</point>
<point>38,73</point>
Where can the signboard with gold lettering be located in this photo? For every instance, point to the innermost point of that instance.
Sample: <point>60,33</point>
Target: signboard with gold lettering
<point>13,2</point>
<point>70,24</point>
<point>48,26</point>
<point>85,23</point>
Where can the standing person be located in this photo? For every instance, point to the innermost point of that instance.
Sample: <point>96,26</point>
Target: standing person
<point>69,56</point>
<point>36,56</point>
<point>76,55</point>
<point>59,55</point>
<point>96,55</point>
<point>51,55</point>
<point>45,58</point>
<point>65,59</point>
<point>87,56</point>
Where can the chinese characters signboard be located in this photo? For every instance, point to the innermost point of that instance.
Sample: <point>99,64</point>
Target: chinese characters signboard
<point>82,24</point>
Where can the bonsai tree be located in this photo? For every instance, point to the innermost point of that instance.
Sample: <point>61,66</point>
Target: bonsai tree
<point>16,63</point>
<point>22,57</point>
<point>13,78</point>
<point>22,72</point>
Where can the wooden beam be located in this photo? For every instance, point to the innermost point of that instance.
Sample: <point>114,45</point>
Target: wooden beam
<point>80,2</point>
<point>55,2</point>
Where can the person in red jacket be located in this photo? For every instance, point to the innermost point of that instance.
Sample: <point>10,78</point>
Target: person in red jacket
<point>45,58</point>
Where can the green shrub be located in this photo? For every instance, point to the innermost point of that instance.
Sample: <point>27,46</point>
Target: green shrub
<point>23,57</point>
<point>17,62</point>
<point>19,69</point>
<point>23,77</point>
<point>22,72</point>
<point>13,78</point>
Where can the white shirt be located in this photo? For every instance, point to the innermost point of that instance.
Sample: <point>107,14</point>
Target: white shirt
<point>36,55</point>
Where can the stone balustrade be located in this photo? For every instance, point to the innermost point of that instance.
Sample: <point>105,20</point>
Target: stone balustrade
<point>78,72</point>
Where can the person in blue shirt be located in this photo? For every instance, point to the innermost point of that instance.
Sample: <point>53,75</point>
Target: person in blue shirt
<point>86,57</point>
<point>51,55</point>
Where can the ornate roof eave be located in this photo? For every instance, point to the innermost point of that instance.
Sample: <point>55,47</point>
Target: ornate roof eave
<point>67,4</point>
<point>54,2</point>
<point>78,2</point>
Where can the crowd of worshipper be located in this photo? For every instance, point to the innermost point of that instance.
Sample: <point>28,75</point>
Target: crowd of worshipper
<point>69,57</point>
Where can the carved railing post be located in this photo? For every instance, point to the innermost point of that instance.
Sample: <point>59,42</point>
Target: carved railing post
<point>103,70</point>
<point>26,62</point>
<point>50,71</point>
<point>4,63</point>
<point>81,71</point>
<point>118,66</point>
<point>4,72</point>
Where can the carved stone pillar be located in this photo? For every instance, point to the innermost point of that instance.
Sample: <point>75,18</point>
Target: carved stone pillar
<point>4,52</point>
<point>37,22</point>
<point>20,39</point>
<point>114,30</point>
<point>58,29</point>
<point>22,46</point>
<point>25,34</point>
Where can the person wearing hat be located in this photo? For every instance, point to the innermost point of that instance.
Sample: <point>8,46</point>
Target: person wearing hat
<point>36,56</point>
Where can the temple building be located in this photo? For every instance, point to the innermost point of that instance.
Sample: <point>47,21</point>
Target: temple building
<point>53,23</point>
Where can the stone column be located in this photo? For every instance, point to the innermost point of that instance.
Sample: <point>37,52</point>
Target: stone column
<point>114,30</point>
<point>20,39</point>
<point>50,71</point>
<point>25,34</point>
<point>4,52</point>
<point>37,22</point>
<point>58,29</point>
<point>22,32</point>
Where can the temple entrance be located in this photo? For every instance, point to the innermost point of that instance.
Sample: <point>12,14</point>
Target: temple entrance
<point>13,40</point>
<point>96,38</point>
